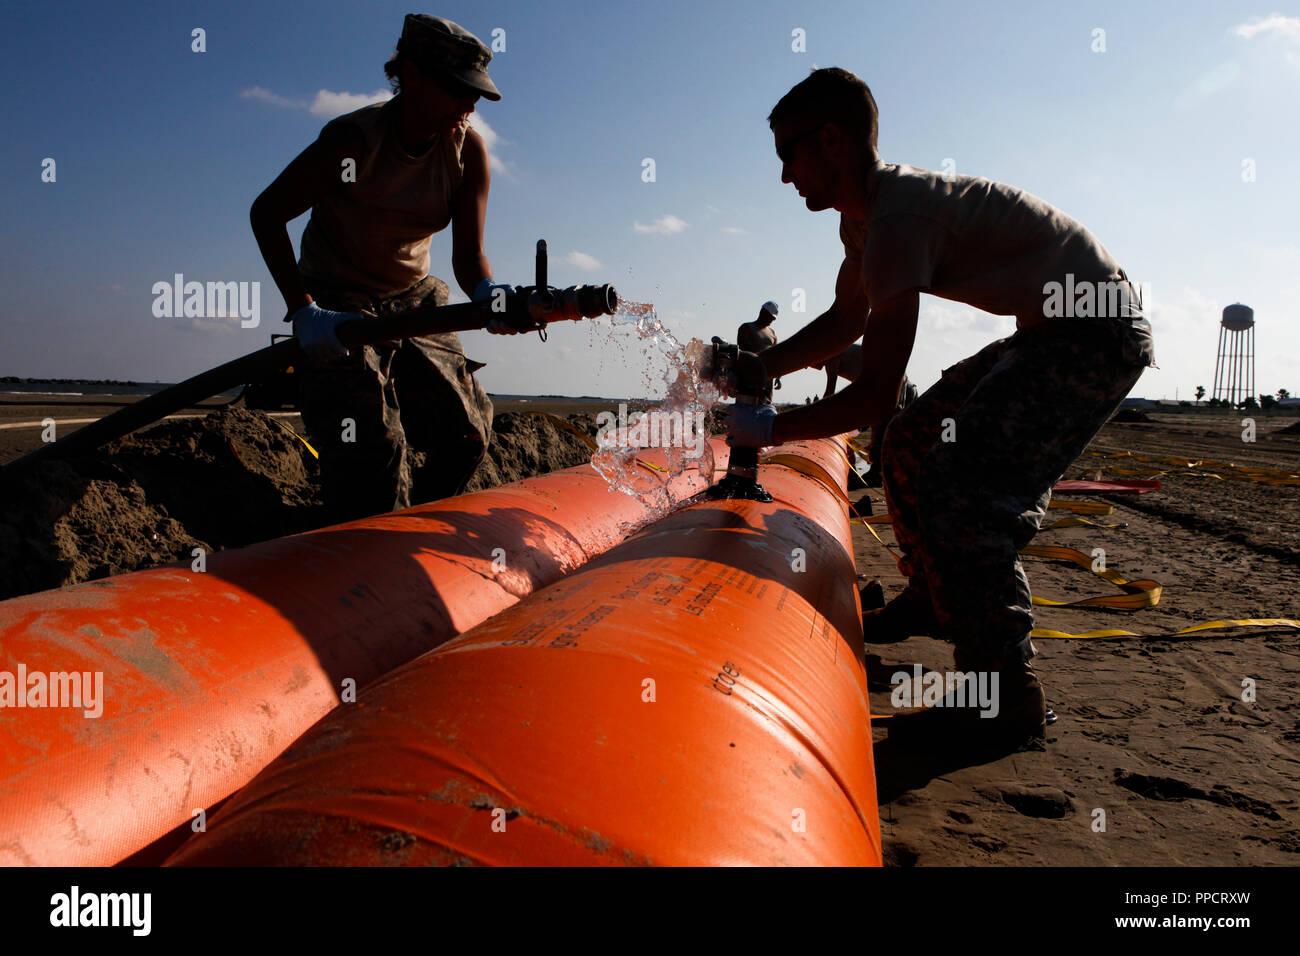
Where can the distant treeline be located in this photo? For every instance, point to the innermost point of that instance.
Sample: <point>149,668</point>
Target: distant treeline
<point>15,380</point>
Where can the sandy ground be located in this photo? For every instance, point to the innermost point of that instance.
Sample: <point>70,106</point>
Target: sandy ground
<point>1153,732</point>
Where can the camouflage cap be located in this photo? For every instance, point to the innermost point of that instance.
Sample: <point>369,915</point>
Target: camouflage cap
<point>449,50</point>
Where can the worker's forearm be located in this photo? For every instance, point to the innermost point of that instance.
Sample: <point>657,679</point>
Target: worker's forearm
<point>277,251</point>
<point>471,270</point>
<point>846,411</point>
<point>822,338</point>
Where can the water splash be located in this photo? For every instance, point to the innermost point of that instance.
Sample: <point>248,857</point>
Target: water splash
<point>689,400</point>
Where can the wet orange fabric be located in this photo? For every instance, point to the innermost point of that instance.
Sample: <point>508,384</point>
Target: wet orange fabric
<point>208,675</point>
<point>695,696</point>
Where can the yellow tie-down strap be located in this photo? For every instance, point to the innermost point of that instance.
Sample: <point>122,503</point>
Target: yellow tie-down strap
<point>1140,594</point>
<point>1205,467</point>
<point>1143,593</point>
<point>1207,626</point>
<point>1082,507</point>
<point>313,451</point>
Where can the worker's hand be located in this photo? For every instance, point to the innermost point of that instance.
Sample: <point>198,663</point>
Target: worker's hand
<point>314,328</point>
<point>750,426</point>
<point>719,367</point>
<point>491,293</point>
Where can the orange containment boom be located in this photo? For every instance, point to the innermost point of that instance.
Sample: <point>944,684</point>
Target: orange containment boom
<point>188,682</point>
<point>695,696</point>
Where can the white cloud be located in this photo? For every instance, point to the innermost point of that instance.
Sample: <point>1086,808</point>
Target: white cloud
<point>490,136</point>
<point>491,139</point>
<point>663,226</point>
<point>1220,78</point>
<point>220,323</point>
<point>735,231</point>
<point>329,104</point>
<point>266,96</point>
<point>1288,27</point>
<point>581,260</point>
<point>1188,312</point>
<point>943,316</point>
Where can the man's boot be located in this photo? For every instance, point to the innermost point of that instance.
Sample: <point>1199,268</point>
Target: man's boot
<point>907,615</point>
<point>1012,699</point>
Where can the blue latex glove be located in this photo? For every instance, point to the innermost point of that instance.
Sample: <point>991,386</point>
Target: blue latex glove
<point>751,425</point>
<point>486,292</point>
<point>314,328</point>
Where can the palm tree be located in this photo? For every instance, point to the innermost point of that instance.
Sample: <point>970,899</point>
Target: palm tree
<point>1200,392</point>
<point>1283,394</point>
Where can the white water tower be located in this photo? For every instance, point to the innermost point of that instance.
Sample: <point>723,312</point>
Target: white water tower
<point>1234,371</point>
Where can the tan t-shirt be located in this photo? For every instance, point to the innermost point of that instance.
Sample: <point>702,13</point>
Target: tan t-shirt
<point>971,240</point>
<point>373,235</point>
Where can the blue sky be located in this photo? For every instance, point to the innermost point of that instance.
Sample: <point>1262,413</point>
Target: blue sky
<point>160,151</point>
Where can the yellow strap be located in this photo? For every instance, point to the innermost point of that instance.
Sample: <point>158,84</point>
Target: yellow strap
<point>297,436</point>
<point>1073,522</point>
<point>1082,507</point>
<point>1144,593</point>
<point>1207,626</point>
<point>1264,476</point>
<point>568,427</point>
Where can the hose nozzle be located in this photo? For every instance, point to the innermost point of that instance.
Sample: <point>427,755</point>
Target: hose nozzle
<point>576,302</point>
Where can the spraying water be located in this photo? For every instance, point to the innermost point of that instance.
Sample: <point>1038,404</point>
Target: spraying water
<point>679,424</point>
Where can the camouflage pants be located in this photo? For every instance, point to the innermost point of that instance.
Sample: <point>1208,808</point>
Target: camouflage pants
<point>970,465</point>
<point>407,402</point>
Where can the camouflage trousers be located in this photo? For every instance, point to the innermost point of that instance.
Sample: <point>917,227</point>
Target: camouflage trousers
<point>970,465</point>
<point>396,424</point>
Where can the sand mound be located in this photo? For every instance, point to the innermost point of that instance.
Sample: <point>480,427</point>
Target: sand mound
<point>229,479</point>
<point>524,445</point>
<point>1130,415</point>
<point>1292,429</point>
<point>232,478</point>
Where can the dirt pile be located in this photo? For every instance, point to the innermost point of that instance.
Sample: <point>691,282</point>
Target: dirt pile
<point>525,444</point>
<point>229,479</point>
<point>1292,429</point>
<point>232,478</point>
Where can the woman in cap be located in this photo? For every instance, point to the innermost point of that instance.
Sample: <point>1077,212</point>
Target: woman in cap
<point>379,182</point>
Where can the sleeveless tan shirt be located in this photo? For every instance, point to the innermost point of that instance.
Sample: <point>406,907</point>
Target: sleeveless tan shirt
<point>373,235</point>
